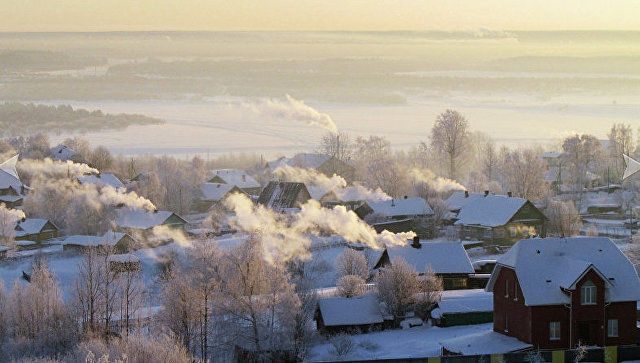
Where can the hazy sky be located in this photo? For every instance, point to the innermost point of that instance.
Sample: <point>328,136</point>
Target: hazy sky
<point>104,15</point>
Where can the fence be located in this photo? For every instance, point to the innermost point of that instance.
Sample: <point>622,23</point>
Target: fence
<point>611,354</point>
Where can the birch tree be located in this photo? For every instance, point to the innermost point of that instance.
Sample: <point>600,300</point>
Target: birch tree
<point>450,137</point>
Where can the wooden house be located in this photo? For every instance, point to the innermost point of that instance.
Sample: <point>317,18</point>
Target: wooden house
<point>214,194</point>
<point>141,222</point>
<point>347,315</point>
<point>449,260</point>
<point>64,153</point>
<point>239,178</point>
<point>35,229</point>
<point>281,196</point>
<point>110,242</point>
<point>12,190</point>
<point>555,293</point>
<point>3,251</point>
<point>398,215</point>
<point>500,219</point>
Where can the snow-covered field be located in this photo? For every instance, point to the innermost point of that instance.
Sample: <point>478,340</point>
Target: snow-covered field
<point>407,343</point>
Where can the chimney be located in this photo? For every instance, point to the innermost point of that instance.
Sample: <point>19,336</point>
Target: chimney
<point>486,192</point>
<point>23,219</point>
<point>509,194</point>
<point>155,210</point>
<point>393,203</point>
<point>466,194</point>
<point>244,178</point>
<point>406,197</point>
<point>416,242</point>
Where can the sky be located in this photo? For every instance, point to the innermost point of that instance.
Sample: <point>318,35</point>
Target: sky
<point>352,15</point>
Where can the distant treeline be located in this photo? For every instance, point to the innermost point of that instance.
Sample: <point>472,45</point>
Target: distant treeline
<point>26,119</point>
<point>39,60</point>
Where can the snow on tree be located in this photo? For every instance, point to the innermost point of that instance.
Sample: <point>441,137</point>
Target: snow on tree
<point>8,219</point>
<point>352,262</point>
<point>523,174</point>
<point>337,145</point>
<point>581,153</point>
<point>564,219</point>
<point>450,137</point>
<point>620,142</point>
<point>350,286</point>
<point>397,286</point>
<point>430,287</point>
<point>376,166</point>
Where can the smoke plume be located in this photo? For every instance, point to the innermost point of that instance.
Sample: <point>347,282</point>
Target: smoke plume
<point>296,110</point>
<point>49,167</point>
<point>437,183</point>
<point>287,237</point>
<point>323,184</point>
<point>112,196</point>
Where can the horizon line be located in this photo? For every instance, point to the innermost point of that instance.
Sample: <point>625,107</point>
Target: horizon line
<point>308,31</point>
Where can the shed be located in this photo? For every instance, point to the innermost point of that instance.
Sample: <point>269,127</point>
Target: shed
<point>281,196</point>
<point>463,307</point>
<point>138,220</point>
<point>118,241</point>
<point>355,314</point>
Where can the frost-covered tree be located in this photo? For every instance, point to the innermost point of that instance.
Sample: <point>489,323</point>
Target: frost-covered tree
<point>100,158</point>
<point>3,312</point>
<point>450,137</point>
<point>376,165</point>
<point>8,219</point>
<point>430,287</point>
<point>581,153</point>
<point>352,262</point>
<point>620,142</point>
<point>350,286</point>
<point>564,219</point>
<point>338,145</point>
<point>523,174</point>
<point>397,286</point>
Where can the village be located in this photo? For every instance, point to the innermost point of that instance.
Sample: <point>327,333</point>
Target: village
<point>351,252</point>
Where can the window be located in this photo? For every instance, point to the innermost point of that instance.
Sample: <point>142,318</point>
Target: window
<point>506,288</point>
<point>554,330</point>
<point>588,293</point>
<point>612,327</point>
<point>506,322</point>
<point>512,231</point>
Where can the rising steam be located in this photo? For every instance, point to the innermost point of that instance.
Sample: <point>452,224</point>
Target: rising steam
<point>288,237</point>
<point>296,110</point>
<point>49,167</point>
<point>336,184</point>
<point>112,196</point>
<point>437,183</point>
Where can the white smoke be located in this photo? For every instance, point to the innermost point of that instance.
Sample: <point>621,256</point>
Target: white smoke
<point>288,237</point>
<point>166,233</point>
<point>49,167</point>
<point>320,184</point>
<point>117,197</point>
<point>292,109</point>
<point>437,183</point>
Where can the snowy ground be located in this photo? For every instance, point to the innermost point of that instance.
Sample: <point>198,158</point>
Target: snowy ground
<point>414,342</point>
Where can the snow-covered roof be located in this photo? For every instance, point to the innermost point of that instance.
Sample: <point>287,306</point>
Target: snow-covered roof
<point>9,175</point>
<point>108,239</point>
<point>142,219</point>
<point>317,192</point>
<point>62,152</point>
<point>30,226</point>
<point>488,342</point>
<point>401,207</point>
<point>478,264</point>
<point>463,301</point>
<point>4,248</point>
<point>101,179</point>
<point>217,191</point>
<point>236,177</point>
<point>10,198</point>
<point>491,210</point>
<point>282,195</point>
<point>24,243</point>
<point>442,257</point>
<point>546,266</point>
<point>457,200</point>
<point>361,310</point>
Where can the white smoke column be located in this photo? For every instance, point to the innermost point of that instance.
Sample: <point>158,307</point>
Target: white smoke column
<point>337,184</point>
<point>310,178</point>
<point>358,192</point>
<point>280,243</point>
<point>347,224</point>
<point>296,110</point>
<point>8,219</point>
<point>436,183</point>
<point>111,196</point>
<point>164,233</point>
<point>55,167</point>
<point>288,237</point>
